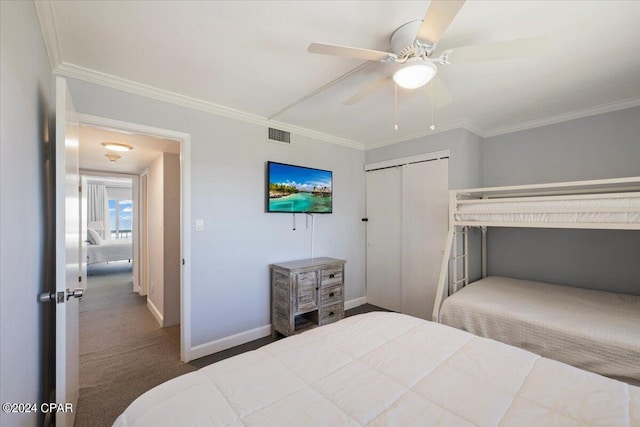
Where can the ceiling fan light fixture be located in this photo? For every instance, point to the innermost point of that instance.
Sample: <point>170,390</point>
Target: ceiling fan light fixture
<point>117,146</point>
<point>113,157</point>
<point>416,73</point>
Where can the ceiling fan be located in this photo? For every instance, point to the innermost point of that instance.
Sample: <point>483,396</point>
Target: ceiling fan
<point>413,51</point>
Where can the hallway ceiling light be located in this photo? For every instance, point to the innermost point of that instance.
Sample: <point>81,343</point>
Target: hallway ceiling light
<point>117,146</point>
<point>112,157</point>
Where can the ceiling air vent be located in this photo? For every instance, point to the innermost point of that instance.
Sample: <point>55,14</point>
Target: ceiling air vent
<point>279,135</point>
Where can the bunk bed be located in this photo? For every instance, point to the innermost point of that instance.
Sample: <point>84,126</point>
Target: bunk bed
<point>593,330</point>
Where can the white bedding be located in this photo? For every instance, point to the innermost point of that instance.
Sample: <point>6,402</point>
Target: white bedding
<point>604,210</point>
<point>386,369</point>
<point>593,330</point>
<point>109,250</point>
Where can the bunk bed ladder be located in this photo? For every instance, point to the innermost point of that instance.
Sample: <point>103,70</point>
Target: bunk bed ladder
<point>449,281</point>
<point>457,282</point>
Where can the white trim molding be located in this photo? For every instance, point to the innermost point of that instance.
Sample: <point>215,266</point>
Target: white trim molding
<point>156,313</point>
<point>565,117</point>
<point>356,302</point>
<point>408,160</point>
<point>212,347</point>
<point>185,212</point>
<point>46,16</point>
<point>103,79</point>
<point>240,338</point>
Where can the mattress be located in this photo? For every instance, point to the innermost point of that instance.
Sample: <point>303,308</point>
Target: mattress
<point>386,369</point>
<point>617,210</point>
<point>109,250</point>
<point>592,330</point>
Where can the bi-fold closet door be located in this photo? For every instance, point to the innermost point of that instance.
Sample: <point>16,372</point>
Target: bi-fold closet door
<point>407,208</point>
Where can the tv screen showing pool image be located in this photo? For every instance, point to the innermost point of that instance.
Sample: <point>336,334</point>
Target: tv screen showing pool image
<point>298,189</point>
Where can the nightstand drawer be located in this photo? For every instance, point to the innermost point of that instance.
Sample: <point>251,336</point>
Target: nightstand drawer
<point>331,276</point>
<point>330,295</point>
<point>331,313</point>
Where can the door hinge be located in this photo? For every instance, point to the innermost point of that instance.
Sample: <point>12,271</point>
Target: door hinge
<point>79,188</point>
<point>80,279</point>
<point>182,261</point>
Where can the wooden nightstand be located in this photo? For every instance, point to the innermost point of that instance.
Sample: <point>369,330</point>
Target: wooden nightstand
<point>306,293</point>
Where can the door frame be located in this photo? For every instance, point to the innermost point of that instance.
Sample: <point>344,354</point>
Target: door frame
<point>144,232</point>
<point>186,353</point>
<point>135,232</point>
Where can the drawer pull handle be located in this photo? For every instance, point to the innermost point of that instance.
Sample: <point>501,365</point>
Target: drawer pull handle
<point>331,313</point>
<point>331,294</point>
<point>331,276</point>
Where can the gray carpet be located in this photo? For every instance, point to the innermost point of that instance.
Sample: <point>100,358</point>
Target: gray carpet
<point>123,350</point>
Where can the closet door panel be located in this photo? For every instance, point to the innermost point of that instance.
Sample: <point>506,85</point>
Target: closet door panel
<point>384,238</point>
<point>424,223</point>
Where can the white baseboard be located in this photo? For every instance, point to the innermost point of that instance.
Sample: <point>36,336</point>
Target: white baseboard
<point>211,347</point>
<point>228,342</point>
<point>356,302</point>
<point>156,313</point>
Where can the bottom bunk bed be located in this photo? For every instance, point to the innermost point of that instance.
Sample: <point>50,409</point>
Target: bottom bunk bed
<point>386,369</point>
<point>593,330</point>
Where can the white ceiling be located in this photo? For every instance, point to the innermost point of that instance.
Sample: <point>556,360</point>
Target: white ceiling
<point>249,59</point>
<point>146,149</point>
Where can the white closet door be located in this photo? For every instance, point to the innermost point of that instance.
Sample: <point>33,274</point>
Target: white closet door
<point>384,238</point>
<point>424,231</point>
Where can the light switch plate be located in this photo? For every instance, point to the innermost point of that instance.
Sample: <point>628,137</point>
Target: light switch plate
<point>199,224</point>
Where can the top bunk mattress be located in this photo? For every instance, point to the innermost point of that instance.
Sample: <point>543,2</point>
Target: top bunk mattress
<point>599,210</point>
<point>593,330</point>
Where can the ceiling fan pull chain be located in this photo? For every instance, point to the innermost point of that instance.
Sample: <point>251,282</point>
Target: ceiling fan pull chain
<point>395,86</point>
<point>431,101</point>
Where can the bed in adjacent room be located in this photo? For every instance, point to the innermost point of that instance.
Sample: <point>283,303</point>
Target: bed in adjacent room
<point>99,250</point>
<point>387,369</point>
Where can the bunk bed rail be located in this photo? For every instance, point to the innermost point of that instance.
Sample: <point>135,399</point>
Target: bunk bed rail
<point>608,204</point>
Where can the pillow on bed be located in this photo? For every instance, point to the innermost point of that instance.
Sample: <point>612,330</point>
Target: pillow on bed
<point>93,237</point>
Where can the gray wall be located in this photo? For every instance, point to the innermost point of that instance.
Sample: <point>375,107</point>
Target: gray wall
<point>465,163</point>
<point>603,146</point>
<point>25,107</point>
<point>230,276</point>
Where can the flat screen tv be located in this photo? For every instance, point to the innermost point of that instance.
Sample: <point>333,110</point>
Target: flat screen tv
<point>298,189</point>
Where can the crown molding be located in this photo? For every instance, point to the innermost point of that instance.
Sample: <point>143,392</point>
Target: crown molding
<point>46,17</point>
<point>565,117</point>
<point>440,129</point>
<point>44,10</point>
<point>467,125</point>
<point>103,79</point>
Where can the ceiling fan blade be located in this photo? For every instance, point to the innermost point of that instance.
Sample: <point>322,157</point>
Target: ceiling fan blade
<point>366,91</point>
<point>438,93</point>
<point>511,49</point>
<point>437,19</point>
<point>351,52</point>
